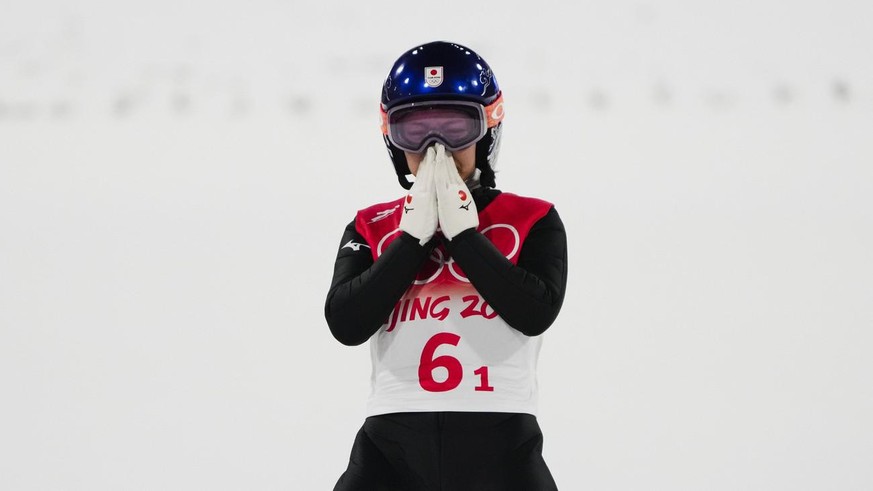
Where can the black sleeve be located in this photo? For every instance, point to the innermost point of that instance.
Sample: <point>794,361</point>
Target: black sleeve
<point>363,292</point>
<point>529,295</point>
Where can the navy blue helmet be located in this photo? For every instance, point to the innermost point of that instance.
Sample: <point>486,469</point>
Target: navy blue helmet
<point>449,80</point>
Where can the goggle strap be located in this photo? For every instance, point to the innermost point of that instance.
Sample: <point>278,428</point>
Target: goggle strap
<point>383,117</point>
<point>494,111</point>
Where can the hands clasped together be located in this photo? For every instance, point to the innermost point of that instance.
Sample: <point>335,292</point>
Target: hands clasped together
<point>439,197</point>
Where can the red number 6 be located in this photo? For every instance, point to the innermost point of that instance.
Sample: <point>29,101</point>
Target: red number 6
<point>429,363</point>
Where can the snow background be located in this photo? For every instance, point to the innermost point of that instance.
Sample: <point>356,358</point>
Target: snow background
<point>175,178</point>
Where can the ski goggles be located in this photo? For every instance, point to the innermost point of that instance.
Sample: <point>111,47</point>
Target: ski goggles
<point>456,124</point>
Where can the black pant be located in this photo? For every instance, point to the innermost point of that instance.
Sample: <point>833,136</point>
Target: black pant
<point>450,451</point>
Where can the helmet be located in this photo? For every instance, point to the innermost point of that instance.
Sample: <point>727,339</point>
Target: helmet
<point>445,78</point>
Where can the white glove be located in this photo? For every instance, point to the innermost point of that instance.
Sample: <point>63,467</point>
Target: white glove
<point>457,211</point>
<point>419,217</point>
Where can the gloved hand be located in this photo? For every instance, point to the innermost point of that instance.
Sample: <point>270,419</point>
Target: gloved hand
<point>419,217</point>
<point>457,211</point>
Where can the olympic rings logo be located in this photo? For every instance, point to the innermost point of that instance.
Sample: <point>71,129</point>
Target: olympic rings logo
<point>507,243</point>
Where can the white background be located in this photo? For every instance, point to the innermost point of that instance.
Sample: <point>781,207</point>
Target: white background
<point>175,178</point>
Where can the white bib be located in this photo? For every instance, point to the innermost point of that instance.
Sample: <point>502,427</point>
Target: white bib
<point>443,348</point>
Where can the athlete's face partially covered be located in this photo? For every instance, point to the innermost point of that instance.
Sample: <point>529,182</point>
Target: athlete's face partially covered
<point>465,161</point>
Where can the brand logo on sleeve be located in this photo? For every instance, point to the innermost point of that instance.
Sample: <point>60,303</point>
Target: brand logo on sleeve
<point>355,246</point>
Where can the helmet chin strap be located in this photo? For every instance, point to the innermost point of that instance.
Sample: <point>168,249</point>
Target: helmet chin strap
<point>472,182</point>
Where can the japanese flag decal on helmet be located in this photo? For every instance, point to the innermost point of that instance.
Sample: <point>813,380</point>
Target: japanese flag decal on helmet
<point>433,76</point>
